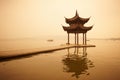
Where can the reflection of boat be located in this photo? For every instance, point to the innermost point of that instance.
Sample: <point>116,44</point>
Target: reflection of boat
<point>88,40</point>
<point>76,63</point>
<point>50,40</point>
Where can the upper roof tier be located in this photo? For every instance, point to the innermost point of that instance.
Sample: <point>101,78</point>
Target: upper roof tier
<point>77,19</point>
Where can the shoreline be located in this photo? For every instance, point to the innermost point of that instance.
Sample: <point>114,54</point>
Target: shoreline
<point>29,53</point>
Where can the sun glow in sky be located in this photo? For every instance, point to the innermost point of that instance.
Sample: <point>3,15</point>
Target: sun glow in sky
<point>34,18</point>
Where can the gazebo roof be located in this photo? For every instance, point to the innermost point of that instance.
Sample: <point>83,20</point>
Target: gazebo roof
<point>76,25</point>
<point>77,28</point>
<point>76,19</point>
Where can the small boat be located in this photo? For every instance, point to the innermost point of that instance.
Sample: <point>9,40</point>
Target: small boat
<point>50,40</point>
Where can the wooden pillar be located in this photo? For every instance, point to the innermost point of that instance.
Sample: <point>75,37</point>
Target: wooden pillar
<point>85,39</point>
<point>68,39</point>
<point>78,38</point>
<point>75,38</point>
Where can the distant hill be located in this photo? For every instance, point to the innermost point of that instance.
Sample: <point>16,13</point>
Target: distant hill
<point>114,38</point>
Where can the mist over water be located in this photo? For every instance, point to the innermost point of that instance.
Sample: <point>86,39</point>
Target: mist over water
<point>98,63</point>
<point>29,43</point>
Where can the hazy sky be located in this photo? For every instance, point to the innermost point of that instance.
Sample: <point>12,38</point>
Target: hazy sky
<point>32,18</point>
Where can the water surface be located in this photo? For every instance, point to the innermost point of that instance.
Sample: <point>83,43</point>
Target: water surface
<point>99,63</point>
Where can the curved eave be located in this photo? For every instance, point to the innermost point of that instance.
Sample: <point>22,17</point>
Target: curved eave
<point>87,28</point>
<point>79,28</point>
<point>72,19</point>
<point>65,28</point>
<point>84,20</point>
<point>76,19</point>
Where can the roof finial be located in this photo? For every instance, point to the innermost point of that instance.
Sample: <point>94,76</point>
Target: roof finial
<point>77,13</point>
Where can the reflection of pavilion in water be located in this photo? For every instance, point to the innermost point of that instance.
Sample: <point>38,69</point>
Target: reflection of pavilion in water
<point>77,63</point>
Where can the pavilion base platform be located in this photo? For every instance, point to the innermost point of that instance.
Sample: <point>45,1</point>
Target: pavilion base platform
<point>80,45</point>
<point>16,54</point>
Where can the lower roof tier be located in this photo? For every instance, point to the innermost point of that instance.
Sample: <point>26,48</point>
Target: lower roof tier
<point>77,29</point>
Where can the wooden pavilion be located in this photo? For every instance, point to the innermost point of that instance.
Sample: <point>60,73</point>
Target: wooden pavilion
<point>76,26</point>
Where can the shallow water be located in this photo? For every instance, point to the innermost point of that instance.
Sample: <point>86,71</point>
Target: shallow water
<point>98,63</point>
